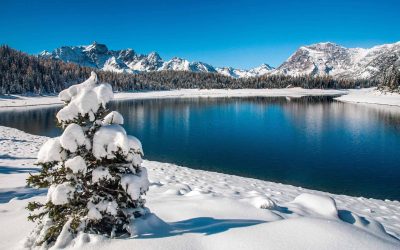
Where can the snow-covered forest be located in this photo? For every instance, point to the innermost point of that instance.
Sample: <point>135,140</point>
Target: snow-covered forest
<point>24,74</point>
<point>95,180</point>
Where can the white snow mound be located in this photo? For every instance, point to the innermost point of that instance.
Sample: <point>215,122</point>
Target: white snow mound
<point>108,140</point>
<point>84,99</point>
<point>113,117</point>
<point>76,164</point>
<point>319,204</point>
<point>73,137</point>
<point>51,151</point>
<point>59,194</point>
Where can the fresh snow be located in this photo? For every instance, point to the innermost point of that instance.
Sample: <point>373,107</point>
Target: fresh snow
<point>128,61</point>
<point>320,59</point>
<point>195,209</point>
<point>76,164</point>
<point>113,117</point>
<point>59,194</point>
<point>371,96</point>
<point>327,58</point>
<point>84,99</point>
<point>366,95</point>
<point>15,101</point>
<point>51,151</point>
<point>100,173</point>
<point>134,183</point>
<point>73,137</point>
<point>110,139</point>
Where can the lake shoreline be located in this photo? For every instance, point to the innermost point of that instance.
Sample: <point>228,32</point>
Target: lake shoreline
<point>366,96</point>
<point>176,191</point>
<point>18,101</point>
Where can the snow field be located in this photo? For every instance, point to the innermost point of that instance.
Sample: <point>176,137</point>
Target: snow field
<point>194,209</point>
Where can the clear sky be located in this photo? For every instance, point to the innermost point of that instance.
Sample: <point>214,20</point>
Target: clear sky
<point>238,33</point>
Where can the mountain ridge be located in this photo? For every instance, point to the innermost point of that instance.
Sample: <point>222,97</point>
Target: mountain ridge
<point>319,59</point>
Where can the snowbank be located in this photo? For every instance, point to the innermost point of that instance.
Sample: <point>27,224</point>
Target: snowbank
<point>15,101</point>
<point>196,209</point>
<point>84,99</point>
<point>370,96</point>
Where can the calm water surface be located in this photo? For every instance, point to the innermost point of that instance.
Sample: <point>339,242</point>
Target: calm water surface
<point>312,142</point>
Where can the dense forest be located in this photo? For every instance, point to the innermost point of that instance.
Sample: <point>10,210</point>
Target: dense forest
<point>391,80</point>
<point>21,73</point>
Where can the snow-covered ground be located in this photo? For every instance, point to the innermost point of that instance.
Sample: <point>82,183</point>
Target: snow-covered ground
<point>368,95</point>
<point>196,209</point>
<point>24,101</point>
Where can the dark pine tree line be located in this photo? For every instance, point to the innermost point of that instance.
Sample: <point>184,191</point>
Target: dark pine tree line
<point>391,80</point>
<point>21,73</point>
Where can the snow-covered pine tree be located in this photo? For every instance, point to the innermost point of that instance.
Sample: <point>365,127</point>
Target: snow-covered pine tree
<point>93,170</point>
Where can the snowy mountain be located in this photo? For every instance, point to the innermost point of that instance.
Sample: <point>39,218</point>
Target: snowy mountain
<point>238,73</point>
<point>180,64</point>
<point>319,59</point>
<point>99,56</point>
<point>331,59</point>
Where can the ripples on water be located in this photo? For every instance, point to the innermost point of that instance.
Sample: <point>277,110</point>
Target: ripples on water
<point>313,142</point>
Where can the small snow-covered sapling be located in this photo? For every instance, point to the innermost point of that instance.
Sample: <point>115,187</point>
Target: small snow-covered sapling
<point>92,171</point>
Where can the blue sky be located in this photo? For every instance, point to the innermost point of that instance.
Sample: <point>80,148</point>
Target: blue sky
<point>238,33</point>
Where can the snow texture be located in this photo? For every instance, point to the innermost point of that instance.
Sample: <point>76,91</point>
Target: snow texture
<point>34,102</point>
<point>318,204</point>
<point>100,173</point>
<point>51,151</point>
<point>110,139</point>
<point>109,207</point>
<point>59,194</point>
<point>134,184</point>
<point>371,96</point>
<point>128,61</point>
<point>76,164</point>
<point>366,95</point>
<point>206,210</point>
<point>135,144</point>
<point>84,99</point>
<point>72,137</point>
<point>320,59</point>
<point>113,117</point>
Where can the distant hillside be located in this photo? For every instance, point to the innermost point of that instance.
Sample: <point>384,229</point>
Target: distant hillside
<point>98,56</point>
<point>22,74</point>
<point>320,59</point>
<point>324,59</point>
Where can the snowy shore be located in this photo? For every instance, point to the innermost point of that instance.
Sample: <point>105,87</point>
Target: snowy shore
<point>14,101</point>
<point>197,209</point>
<point>368,95</point>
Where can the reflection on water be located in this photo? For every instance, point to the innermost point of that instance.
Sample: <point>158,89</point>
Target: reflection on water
<point>313,142</point>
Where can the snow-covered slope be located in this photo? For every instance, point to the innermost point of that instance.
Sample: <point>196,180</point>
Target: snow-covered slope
<point>337,61</point>
<point>180,64</point>
<point>99,56</point>
<point>239,73</point>
<point>196,209</point>
<point>318,60</point>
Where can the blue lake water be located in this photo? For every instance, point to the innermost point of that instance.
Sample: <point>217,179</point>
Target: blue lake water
<point>313,142</point>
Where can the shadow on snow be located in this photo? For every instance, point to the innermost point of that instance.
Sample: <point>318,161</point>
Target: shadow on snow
<point>153,227</point>
<point>21,193</point>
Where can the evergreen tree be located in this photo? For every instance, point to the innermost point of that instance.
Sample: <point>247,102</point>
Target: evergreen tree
<point>21,73</point>
<point>93,170</point>
<point>391,79</point>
